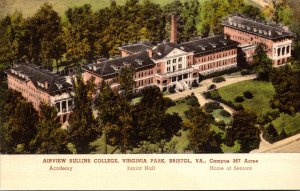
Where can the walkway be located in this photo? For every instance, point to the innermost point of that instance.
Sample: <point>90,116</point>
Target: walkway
<point>288,145</point>
<point>204,87</point>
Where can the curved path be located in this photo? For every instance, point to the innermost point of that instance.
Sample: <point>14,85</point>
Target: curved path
<point>288,145</point>
<point>204,87</point>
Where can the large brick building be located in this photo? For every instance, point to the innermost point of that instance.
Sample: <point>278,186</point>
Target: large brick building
<point>169,63</point>
<point>38,85</point>
<point>248,33</point>
<point>165,64</point>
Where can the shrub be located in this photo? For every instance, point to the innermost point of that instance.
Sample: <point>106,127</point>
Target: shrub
<point>245,72</point>
<point>169,102</point>
<point>211,87</point>
<point>238,107</point>
<point>195,84</point>
<point>239,99</point>
<point>270,134</point>
<point>172,89</point>
<point>248,94</point>
<point>218,79</point>
<point>165,89</point>
<point>200,78</point>
<point>207,95</point>
<point>225,113</point>
<point>193,101</point>
<point>210,106</point>
<point>221,124</point>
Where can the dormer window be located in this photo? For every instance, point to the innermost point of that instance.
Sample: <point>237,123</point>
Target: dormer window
<point>182,48</point>
<point>126,64</point>
<point>260,31</point>
<point>95,68</point>
<point>248,28</point>
<point>254,29</point>
<point>213,45</point>
<point>159,54</point>
<point>202,47</point>
<point>116,68</point>
<point>140,62</point>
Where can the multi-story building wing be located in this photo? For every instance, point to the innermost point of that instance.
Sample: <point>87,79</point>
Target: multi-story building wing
<point>213,54</point>
<point>38,85</point>
<point>109,70</point>
<point>249,32</point>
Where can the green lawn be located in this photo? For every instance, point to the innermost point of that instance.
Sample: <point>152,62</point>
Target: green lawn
<point>216,129</point>
<point>291,124</point>
<point>179,108</point>
<point>135,100</point>
<point>219,117</point>
<point>232,149</point>
<point>31,6</point>
<point>262,91</point>
<point>181,142</point>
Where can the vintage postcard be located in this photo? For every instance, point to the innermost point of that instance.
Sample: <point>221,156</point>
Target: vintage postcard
<point>148,94</point>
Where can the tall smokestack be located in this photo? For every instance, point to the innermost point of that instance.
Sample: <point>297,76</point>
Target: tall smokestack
<point>173,29</point>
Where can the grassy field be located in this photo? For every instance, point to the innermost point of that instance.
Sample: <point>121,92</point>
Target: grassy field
<point>179,108</point>
<point>29,7</point>
<point>219,117</point>
<point>291,124</point>
<point>232,149</point>
<point>262,91</point>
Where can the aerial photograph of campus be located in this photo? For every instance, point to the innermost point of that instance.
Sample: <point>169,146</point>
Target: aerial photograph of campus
<point>149,76</point>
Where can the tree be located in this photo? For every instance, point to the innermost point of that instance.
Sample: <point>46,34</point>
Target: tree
<point>114,117</point>
<point>252,12</point>
<point>262,63</point>
<point>12,42</point>
<point>19,127</point>
<point>271,133</point>
<point>286,81</point>
<point>281,12</point>
<point>150,119</point>
<point>80,35</point>
<point>127,83</point>
<point>50,138</point>
<point>202,140</point>
<point>82,128</point>
<point>43,34</point>
<point>244,130</point>
<point>211,13</point>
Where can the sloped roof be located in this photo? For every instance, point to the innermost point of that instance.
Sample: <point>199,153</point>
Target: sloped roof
<point>266,30</point>
<point>210,43</point>
<point>135,48</point>
<point>39,76</point>
<point>111,67</point>
<point>163,49</point>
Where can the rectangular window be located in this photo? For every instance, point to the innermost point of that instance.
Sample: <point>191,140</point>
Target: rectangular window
<point>180,59</point>
<point>179,66</point>
<point>174,60</point>
<point>168,62</point>
<point>168,69</point>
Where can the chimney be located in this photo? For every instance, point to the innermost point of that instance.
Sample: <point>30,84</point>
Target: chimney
<point>173,29</point>
<point>150,52</point>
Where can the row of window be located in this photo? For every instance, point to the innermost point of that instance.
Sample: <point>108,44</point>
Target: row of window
<point>143,73</point>
<point>215,56</point>
<point>174,68</point>
<point>174,60</point>
<point>144,82</point>
<point>217,64</point>
<point>282,51</point>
